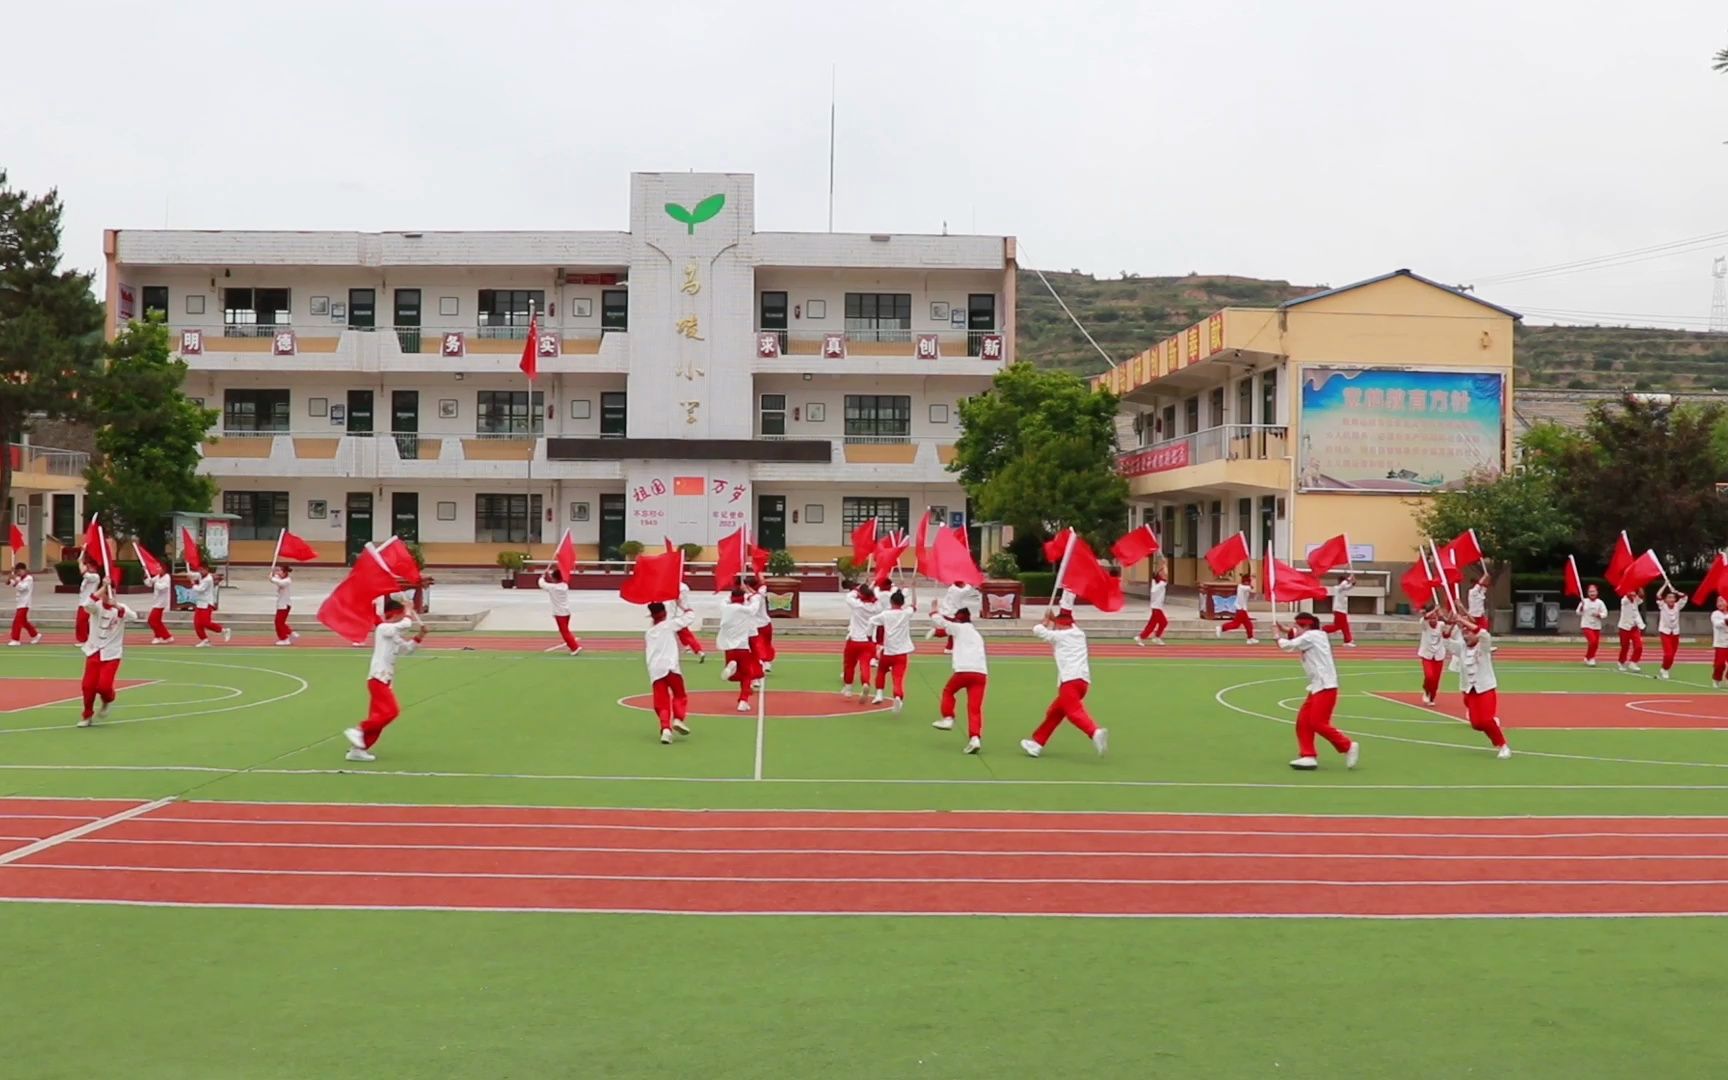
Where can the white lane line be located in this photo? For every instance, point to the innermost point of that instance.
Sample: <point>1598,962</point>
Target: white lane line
<point>81,830</point>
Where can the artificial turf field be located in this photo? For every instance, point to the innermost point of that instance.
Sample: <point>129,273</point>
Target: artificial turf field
<point>247,741</point>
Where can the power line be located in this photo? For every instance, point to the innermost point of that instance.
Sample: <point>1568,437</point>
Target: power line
<point>1071,316</point>
<point>1612,259</point>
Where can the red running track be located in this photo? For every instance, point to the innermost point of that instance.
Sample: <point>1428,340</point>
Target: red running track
<point>864,863</point>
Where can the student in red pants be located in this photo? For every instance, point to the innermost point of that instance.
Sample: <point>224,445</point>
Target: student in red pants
<point>161,599</point>
<point>1719,641</point>
<point>894,627</point>
<point>861,605</point>
<point>283,579</point>
<point>1315,716</point>
<point>104,647</point>
<point>971,674</point>
<point>1631,630</point>
<point>390,639</point>
<point>24,586</point>
<point>1340,623</point>
<point>1474,648</point>
<point>86,589</point>
<point>557,591</point>
<point>204,609</point>
<point>1591,612</point>
<point>1073,678</point>
<point>1157,622</point>
<point>665,677</point>
<point>687,634</point>
<point>1431,650</point>
<point>1241,619</point>
<point>733,640</point>
<point>1668,605</point>
<point>762,639</point>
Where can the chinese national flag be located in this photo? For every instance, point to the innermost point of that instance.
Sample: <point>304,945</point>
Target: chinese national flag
<point>1716,581</point>
<point>1574,585</point>
<point>295,549</point>
<point>1334,552</point>
<point>17,543</point>
<point>1620,560</point>
<point>348,611</point>
<point>189,546</point>
<point>531,350</point>
<point>1228,555</point>
<point>151,566</point>
<point>951,560</point>
<point>731,562</point>
<point>653,578</point>
<point>1418,584</point>
<point>1285,584</point>
<point>395,555</point>
<point>565,556</point>
<point>1137,545</point>
<point>863,541</point>
<point>921,546</point>
<point>689,485</point>
<point>1644,569</point>
<point>1082,573</point>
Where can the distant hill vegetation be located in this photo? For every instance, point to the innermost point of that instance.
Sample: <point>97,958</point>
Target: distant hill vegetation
<point>1129,313</point>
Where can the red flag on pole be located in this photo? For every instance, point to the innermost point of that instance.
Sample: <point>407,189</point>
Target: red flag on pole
<point>1417,584</point>
<point>951,560</point>
<point>1136,546</point>
<point>1461,552</point>
<point>1620,560</point>
<point>889,548</point>
<point>1285,584</point>
<point>1574,584</point>
<point>17,544</point>
<point>1443,577</point>
<point>731,563</point>
<point>1081,573</point>
<point>565,556</point>
<point>1644,569</point>
<point>295,549</point>
<point>863,542</point>
<point>151,566</point>
<point>669,545</point>
<point>1228,555</point>
<point>1716,581</point>
<point>1334,552</point>
<point>922,548</point>
<point>395,555</point>
<point>348,610</point>
<point>531,349</point>
<point>653,578</point>
<point>189,548</point>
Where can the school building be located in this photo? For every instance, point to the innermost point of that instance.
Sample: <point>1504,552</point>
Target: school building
<point>695,374</point>
<point>1337,412</point>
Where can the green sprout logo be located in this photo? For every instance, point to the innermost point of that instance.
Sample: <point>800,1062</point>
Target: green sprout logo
<point>703,210</point>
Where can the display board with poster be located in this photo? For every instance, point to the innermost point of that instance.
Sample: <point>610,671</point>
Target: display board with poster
<point>1398,430</point>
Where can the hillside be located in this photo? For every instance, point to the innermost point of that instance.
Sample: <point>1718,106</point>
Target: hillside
<point>1128,314</point>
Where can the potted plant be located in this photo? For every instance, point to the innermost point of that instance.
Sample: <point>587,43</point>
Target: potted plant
<point>1002,590</point>
<point>629,549</point>
<point>691,552</point>
<point>783,588</point>
<point>849,570</point>
<point>511,562</point>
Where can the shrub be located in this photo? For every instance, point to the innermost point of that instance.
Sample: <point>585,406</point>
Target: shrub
<point>69,572</point>
<point>512,561</point>
<point>848,569</point>
<point>131,574</point>
<point>418,555</point>
<point>1002,565</point>
<point>781,563</point>
<point>629,549</point>
<point>691,552</point>
<point>1038,584</point>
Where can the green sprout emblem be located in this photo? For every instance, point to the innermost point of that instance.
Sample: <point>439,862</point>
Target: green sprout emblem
<point>703,210</point>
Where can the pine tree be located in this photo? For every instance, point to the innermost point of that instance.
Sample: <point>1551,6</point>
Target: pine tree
<point>50,322</point>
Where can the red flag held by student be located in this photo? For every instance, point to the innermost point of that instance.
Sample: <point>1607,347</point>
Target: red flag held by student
<point>396,556</point>
<point>1716,581</point>
<point>348,611</point>
<point>731,563</point>
<point>189,548</point>
<point>151,566</point>
<point>921,546</point>
<point>1418,584</point>
<point>1574,585</point>
<point>1644,569</point>
<point>295,549</point>
<point>1284,584</point>
<point>96,545</point>
<point>1135,547</point>
<point>1334,552</point>
<point>653,578</point>
<point>889,549</point>
<point>1228,555</point>
<point>669,545</point>
<point>565,556</point>
<point>1620,560</point>
<point>951,560</point>
<point>1461,552</point>
<point>1081,573</point>
<point>863,542</point>
<point>530,364</point>
<point>17,543</point>
<point>759,559</point>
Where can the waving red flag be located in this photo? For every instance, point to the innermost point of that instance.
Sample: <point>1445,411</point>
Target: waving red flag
<point>1285,584</point>
<point>653,578</point>
<point>395,555</point>
<point>565,556</point>
<point>1574,584</point>
<point>1228,555</point>
<point>294,549</point>
<point>863,542</point>
<point>1716,581</point>
<point>1334,552</point>
<point>1140,544</point>
<point>17,543</point>
<point>95,539</point>
<point>530,364</point>
<point>889,549</point>
<point>1080,572</point>
<point>1418,584</point>
<point>1461,552</point>
<point>731,563</point>
<point>151,566</point>
<point>951,560</point>
<point>1644,569</point>
<point>669,545</point>
<point>921,546</point>
<point>189,549</point>
<point>348,611</point>
<point>1620,560</point>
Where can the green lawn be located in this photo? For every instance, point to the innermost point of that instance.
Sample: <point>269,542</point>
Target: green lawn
<point>145,992</point>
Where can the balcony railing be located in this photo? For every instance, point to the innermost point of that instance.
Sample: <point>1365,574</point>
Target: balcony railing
<point>48,460</point>
<point>1226,442</point>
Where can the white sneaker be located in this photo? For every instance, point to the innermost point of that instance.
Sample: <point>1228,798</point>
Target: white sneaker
<point>730,669</point>
<point>846,691</point>
<point>15,644</point>
<point>930,634</point>
<point>1633,667</point>
<point>1353,755</point>
<point>877,700</point>
<point>293,636</point>
<point>680,727</point>
<point>1140,641</point>
<point>973,745</point>
<point>362,755</point>
<point>701,658</point>
<point>1504,753</point>
<point>85,721</point>
<point>1590,662</point>
<point>356,738</point>
<point>1157,641</point>
<point>1033,749</point>
<point>665,736</point>
<point>37,640</point>
<point>899,703</point>
<point>768,667</point>
<point>1428,701</point>
<point>205,644</point>
<point>1717,684</point>
<point>1619,667</point>
<point>944,724</point>
<point>1662,674</point>
<point>755,684</point>
<point>1218,630</point>
<point>577,651</point>
<point>1305,764</point>
<point>1101,739</point>
<point>102,709</point>
<point>227,632</point>
<point>1349,644</point>
<point>743,706</point>
<point>284,641</point>
<point>1252,641</point>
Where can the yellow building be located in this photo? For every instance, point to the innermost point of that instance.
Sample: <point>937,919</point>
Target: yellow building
<point>1332,413</point>
<point>45,501</point>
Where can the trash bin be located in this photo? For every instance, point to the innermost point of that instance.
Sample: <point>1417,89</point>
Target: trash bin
<point>1534,613</point>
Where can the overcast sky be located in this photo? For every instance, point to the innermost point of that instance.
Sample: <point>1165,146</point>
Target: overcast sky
<point>1319,142</point>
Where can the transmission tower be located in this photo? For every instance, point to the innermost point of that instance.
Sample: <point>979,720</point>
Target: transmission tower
<point>1719,296</point>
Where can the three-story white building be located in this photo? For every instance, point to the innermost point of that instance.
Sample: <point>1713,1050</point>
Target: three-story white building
<point>694,374</point>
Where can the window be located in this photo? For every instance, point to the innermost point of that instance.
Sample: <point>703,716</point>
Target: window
<point>614,414</point>
<point>263,514</point>
<point>614,309</point>
<point>1268,519</point>
<point>362,309</point>
<point>1217,517</point>
<point>509,412</point>
<point>254,312</point>
<point>774,415</point>
<point>879,316</point>
<point>504,313</point>
<point>1167,424</point>
<point>1245,401</point>
<point>1245,518</point>
<point>63,522</point>
<point>506,519</point>
<point>1167,535</point>
<point>254,410</point>
<point>1269,397</point>
<point>890,514</point>
<point>1215,415</point>
<point>1191,414</point>
<point>878,418</point>
<point>155,299</point>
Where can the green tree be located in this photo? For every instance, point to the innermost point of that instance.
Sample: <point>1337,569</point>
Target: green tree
<point>1514,515</point>
<point>149,438</point>
<point>50,321</point>
<point>1038,451</point>
<point>1651,469</point>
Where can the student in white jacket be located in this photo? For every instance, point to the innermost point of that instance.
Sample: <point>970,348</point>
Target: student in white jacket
<point>1668,605</point>
<point>665,677</point>
<point>557,591</point>
<point>1719,641</point>
<point>1591,612</point>
<point>1156,622</point>
<point>896,627</point>
<point>1631,630</point>
<point>971,674</point>
<point>161,599</point>
<point>1314,718</point>
<point>283,580</point>
<point>1474,647</point>
<point>390,639</point>
<point>23,588</point>
<point>104,647</point>
<point>1073,678</point>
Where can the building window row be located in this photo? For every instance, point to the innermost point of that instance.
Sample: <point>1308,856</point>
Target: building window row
<point>259,311</point>
<point>497,413</point>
